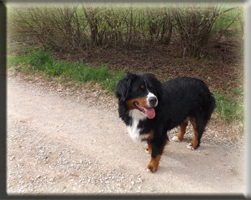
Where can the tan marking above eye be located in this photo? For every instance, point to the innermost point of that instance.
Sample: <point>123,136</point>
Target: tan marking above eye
<point>142,87</point>
<point>150,85</point>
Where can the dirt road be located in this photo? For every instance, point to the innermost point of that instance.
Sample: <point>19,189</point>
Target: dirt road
<point>65,141</point>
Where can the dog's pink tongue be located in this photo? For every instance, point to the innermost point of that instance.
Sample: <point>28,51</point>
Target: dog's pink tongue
<point>150,112</point>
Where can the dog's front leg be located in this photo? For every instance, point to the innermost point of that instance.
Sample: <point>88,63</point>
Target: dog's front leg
<point>157,146</point>
<point>154,163</point>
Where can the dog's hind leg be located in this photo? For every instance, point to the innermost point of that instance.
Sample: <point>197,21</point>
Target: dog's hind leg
<point>198,127</point>
<point>181,132</point>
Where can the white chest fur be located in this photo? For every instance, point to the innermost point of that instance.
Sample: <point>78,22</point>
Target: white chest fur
<point>133,130</point>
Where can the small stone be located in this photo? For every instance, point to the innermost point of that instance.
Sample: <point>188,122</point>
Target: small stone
<point>12,157</point>
<point>52,179</point>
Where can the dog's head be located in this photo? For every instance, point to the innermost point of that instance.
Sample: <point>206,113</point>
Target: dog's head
<point>141,92</point>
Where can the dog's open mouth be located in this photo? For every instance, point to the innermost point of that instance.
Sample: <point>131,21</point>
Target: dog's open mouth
<point>149,112</point>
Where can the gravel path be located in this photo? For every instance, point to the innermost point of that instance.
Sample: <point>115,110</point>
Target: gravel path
<point>62,140</point>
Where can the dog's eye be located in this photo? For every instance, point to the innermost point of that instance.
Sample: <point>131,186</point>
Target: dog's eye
<point>141,88</point>
<point>151,86</point>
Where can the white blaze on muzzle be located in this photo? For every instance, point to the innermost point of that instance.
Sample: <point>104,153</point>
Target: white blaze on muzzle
<point>152,100</point>
<point>150,97</point>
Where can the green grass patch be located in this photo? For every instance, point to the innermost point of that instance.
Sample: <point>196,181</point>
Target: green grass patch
<point>228,108</point>
<point>79,72</point>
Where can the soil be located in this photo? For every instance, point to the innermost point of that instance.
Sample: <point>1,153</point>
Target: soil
<point>221,66</point>
<point>71,140</point>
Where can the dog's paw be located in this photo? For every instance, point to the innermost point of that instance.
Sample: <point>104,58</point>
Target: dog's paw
<point>189,146</point>
<point>147,151</point>
<point>175,138</point>
<point>151,168</point>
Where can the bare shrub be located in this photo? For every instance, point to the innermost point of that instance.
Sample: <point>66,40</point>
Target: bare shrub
<point>106,25</point>
<point>69,29</point>
<point>194,25</point>
<point>159,24</point>
<point>62,29</point>
<point>80,28</point>
<point>197,25</point>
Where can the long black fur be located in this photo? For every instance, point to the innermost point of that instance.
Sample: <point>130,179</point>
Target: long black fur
<point>178,99</point>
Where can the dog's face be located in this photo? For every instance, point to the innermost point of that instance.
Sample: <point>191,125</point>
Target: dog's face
<point>140,92</point>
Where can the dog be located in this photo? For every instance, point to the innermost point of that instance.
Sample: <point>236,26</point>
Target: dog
<point>150,109</point>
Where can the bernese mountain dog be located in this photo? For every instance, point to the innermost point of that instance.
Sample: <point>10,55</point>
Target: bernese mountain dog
<point>150,108</point>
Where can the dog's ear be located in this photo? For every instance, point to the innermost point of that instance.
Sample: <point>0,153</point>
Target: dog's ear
<point>130,75</point>
<point>123,86</point>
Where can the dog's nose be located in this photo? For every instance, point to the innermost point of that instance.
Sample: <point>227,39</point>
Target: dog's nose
<point>153,101</point>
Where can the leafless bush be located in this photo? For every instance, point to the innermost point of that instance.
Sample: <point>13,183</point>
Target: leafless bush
<point>105,25</point>
<point>80,28</point>
<point>69,28</point>
<point>160,24</point>
<point>194,25</point>
<point>61,29</point>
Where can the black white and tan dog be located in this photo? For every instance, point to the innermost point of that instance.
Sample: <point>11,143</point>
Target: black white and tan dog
<point>150,108</point>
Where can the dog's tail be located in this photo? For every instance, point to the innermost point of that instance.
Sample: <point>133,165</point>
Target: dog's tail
<point>208,106</point>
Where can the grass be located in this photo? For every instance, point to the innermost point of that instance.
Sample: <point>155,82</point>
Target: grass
<point>229,108</point>
<point>78,72</point>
